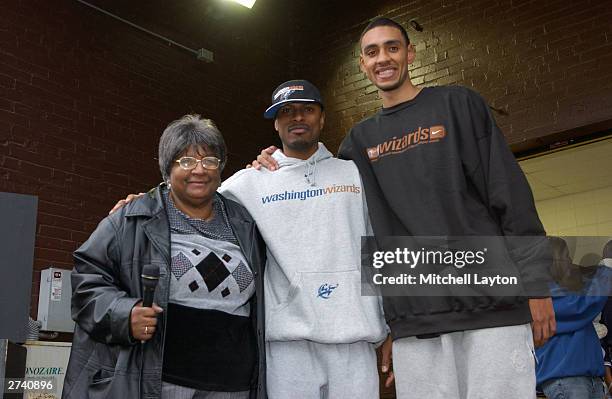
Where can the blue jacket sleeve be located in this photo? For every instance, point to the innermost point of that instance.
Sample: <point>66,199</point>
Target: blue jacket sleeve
<point>574,312</point>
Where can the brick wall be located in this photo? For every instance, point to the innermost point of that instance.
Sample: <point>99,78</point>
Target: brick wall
<point>546,64</point>
<point>83,101</point>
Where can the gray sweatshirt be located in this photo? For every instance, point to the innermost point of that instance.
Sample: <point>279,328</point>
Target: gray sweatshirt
<point>311,214</point>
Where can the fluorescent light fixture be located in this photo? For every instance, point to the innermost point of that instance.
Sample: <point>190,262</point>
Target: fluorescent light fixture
<point>246,3</point>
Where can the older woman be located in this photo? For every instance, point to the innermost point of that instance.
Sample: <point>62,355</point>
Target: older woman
<point>204,336</point>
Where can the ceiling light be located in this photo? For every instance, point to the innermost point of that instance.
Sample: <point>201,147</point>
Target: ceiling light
<point>246,3</point>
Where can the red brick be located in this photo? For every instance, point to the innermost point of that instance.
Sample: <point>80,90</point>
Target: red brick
<point>53,231</point>
<point>38,171</point>
<point>42,126</point>
<point>5,131</point>
<point>59,142</point>
<point>52,255</point>
<point>59,121</point>
<point>55,208</point>
<point>10,163</point>
<point>32,111</point>
<point>571,21</point>
<point>595,52</point>
<point>60,221</point>
<point>34,93</point>
<point>13,118</point>
<point>80,237</point>
<point>542,15</point>
<point>7,105</point>
<point>24,66</point>
<point>57,244</point>
<point>7,81</point>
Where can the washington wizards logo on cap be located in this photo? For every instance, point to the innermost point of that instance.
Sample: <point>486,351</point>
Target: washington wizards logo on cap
<point>285,92</point>
<point>293,91</point>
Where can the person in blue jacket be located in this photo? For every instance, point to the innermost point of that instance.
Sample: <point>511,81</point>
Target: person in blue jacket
<point>571,364</point>
<point>606,319</point>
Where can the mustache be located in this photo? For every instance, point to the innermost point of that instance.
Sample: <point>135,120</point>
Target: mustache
<point>299,126</point>
<point>384,65</point>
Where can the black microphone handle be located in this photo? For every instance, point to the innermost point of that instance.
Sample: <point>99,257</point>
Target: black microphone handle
<point>147,300</point>
<point>150,278</point>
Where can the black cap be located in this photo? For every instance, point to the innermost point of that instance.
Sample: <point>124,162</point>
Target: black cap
<point>290,92</point>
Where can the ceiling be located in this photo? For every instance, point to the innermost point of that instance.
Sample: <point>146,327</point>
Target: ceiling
<point>584,168</point>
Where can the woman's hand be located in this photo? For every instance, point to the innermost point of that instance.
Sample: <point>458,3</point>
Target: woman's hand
<point>143,321</point>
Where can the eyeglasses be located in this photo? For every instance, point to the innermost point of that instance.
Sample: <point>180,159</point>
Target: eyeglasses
<point>189,163</point>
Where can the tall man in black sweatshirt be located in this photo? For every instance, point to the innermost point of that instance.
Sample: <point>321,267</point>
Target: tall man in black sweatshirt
<point>434,163</point>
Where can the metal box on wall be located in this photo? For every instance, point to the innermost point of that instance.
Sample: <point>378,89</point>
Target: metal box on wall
<point>54,300</point>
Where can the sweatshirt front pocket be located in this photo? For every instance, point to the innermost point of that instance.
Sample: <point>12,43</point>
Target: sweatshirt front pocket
<point>326,307</point>
<point>293,290</point>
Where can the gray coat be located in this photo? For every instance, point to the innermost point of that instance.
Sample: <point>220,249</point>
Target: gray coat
<point>105,362</point>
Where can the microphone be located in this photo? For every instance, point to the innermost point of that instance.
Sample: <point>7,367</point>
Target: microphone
<point>150,278</point>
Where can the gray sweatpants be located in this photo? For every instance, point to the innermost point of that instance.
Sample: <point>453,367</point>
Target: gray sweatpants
<point>478,364</point>
<point>309,370</point>
<point>172,391</point>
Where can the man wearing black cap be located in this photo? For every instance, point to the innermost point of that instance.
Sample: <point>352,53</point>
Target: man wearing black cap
<point>320,331</point>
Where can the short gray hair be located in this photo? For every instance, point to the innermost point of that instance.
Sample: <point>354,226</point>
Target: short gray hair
<point>181,134</point>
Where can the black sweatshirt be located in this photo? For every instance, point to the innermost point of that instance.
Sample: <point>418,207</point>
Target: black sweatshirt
<point>438,165</point>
